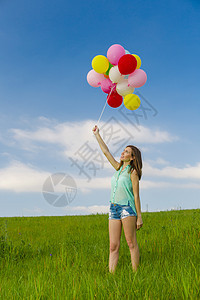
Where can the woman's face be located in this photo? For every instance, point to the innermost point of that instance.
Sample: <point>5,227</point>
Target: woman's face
<point>126,155</point>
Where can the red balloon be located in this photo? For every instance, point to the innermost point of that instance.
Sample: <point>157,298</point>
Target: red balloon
<point>127,64</point>
<point>114,99</point>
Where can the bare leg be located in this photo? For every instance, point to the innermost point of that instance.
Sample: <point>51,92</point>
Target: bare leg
<point>129,225</point>
<point>115,227</point>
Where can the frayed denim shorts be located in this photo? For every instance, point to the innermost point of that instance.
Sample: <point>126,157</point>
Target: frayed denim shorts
<point>119,212</point>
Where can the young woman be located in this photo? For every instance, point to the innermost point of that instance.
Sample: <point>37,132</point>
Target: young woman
<point>125,208</point>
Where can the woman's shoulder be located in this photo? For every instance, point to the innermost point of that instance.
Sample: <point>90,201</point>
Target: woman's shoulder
<point>134,173</point>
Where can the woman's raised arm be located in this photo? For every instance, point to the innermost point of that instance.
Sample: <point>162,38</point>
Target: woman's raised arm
<point>104,148</point>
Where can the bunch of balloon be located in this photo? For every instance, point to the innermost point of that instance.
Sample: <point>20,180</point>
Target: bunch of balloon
<point>118,75</point>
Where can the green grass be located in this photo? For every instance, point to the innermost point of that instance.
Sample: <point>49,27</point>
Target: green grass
<point>67,258</point>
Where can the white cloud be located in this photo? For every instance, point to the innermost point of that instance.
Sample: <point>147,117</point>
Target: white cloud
<point>158,161</point>
<point>146,135</point>
<point>187,172</point>
<point>149,184</point>
<point>19,178</point>
<point>5,154</point>
<point>71,136</point>
<point>36,210</point>
<point>94,209</point>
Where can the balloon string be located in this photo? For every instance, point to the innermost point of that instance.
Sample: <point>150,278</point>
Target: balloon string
<point>102,112</point>
<point>105,104</point>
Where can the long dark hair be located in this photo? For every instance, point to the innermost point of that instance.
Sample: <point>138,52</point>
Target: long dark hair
<point>136,164</point>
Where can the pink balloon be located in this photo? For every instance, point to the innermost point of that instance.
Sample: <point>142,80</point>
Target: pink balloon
<point>137,79</point>
<point>94,78</point>
<point>107,85</point>
<point>114,53</point>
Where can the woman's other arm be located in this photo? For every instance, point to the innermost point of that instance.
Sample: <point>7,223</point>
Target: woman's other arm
<point>135,184</point>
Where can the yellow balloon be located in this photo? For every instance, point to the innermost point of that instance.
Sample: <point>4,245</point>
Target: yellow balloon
<point>131,101</point>
<point>100,64</point>
<point>138,61</point>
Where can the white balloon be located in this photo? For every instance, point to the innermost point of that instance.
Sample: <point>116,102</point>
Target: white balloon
<point>123,89</point>
<point>114,75</point>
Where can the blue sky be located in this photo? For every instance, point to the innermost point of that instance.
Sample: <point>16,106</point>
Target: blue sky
<point>48,109</point>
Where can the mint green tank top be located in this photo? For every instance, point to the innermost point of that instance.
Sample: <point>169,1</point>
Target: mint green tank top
<point>122,189</point>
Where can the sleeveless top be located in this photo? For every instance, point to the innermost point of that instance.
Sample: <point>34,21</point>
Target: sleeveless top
<point>122,189</point>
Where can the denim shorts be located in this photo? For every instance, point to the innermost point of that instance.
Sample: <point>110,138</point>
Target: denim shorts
<point>119,212</point>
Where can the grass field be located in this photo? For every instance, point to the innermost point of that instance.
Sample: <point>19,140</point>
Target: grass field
<point>67,258</point>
